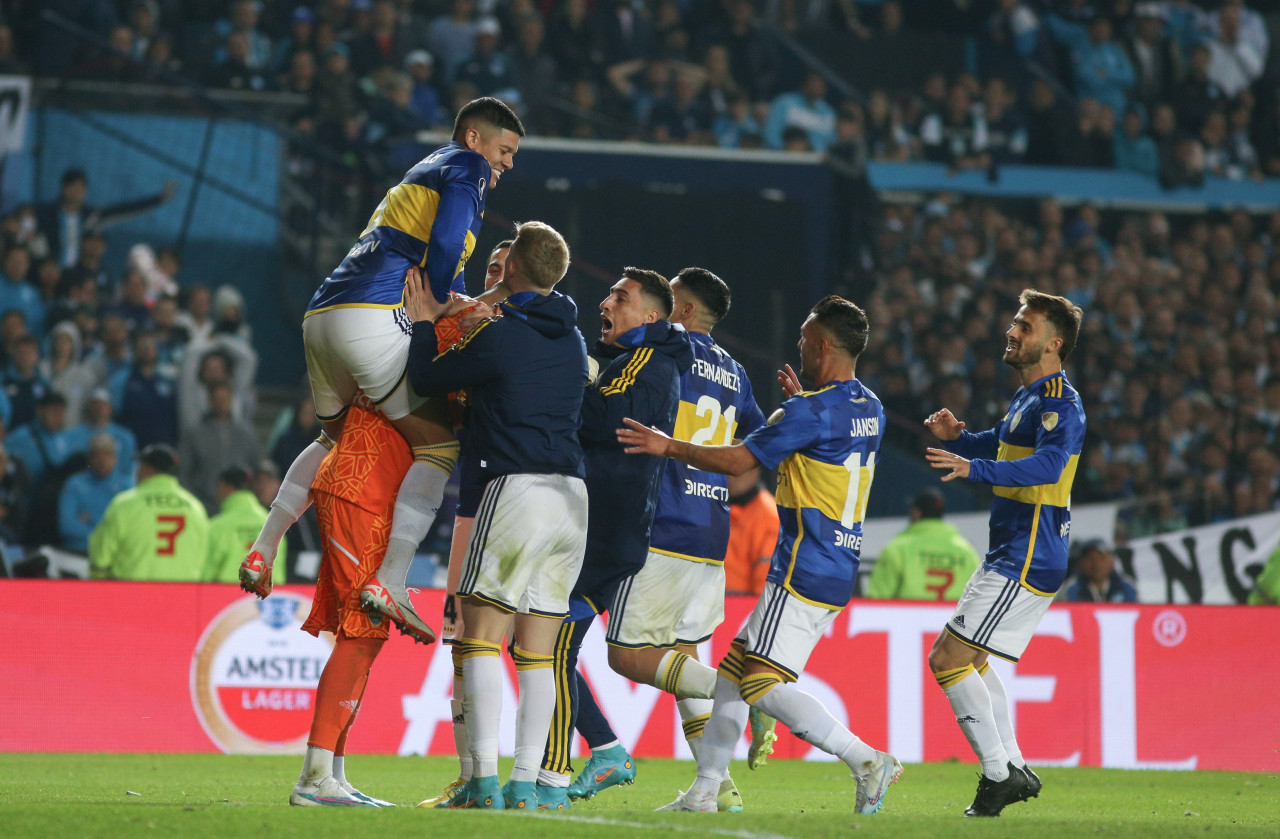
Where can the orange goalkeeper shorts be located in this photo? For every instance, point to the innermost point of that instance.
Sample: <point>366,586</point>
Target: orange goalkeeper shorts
<point>354,542</point>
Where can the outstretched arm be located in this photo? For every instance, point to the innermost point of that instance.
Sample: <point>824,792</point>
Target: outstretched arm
<point>637,438</point>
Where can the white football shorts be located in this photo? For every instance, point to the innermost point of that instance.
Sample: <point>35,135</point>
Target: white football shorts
<point>783,630</point>
<point>527,544</point>
<point>668,602</point>
<point>997,614</point>
<point>355,348</point>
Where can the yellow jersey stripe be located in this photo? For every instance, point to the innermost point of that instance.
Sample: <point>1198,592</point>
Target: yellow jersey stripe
<point>629,373</point>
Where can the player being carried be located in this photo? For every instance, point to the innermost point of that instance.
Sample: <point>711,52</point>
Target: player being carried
<point>824,444</point>
<point>1030,460</point>
<point>357,335</point>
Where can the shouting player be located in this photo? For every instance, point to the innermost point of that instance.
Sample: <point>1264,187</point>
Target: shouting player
<point>824,444</point>
<point>357,338</point>
<point>1030,460</point>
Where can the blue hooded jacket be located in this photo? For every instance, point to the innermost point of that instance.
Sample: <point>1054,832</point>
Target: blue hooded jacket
<point>640,379</point>
<point>524,372</point>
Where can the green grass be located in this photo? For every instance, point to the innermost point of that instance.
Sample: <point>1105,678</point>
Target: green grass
<point>189,796</point>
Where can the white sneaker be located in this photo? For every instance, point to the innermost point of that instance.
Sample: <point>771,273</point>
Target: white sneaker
<point>326,792</point>
<point>376,802</point>
<point>874,778</point>
<point>687,803</point>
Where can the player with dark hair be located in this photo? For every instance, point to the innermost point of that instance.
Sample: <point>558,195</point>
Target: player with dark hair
<point>824,444</point>
<point>643,356</point>
<point>239,519</point>
<point>357,338</point>
<point>354,493</point>
<point>676,601</point>
<point>1030,460</point>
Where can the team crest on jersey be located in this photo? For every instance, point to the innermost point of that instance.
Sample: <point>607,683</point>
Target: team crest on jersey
<point>775,417</point>
<point>1017,418</point>
<point>1049,420</point>
<point>254,676</point>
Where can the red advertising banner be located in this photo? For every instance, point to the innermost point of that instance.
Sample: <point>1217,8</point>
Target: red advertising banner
<point>143,667</point>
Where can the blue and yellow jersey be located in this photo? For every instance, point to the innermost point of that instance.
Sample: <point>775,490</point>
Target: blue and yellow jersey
<point>1030,459</point>
<point>429,220</point>
<point>716,407</point>
<point>824,445</point>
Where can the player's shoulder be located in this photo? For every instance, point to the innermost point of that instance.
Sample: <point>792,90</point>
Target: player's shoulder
<point>446,164</point>
<point>1056,394</point>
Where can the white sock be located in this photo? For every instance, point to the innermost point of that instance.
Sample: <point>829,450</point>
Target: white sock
<point>608,745</point>
<point>460,732</point>
<point>418,501</point>
<point>292,500</point>
<point>533,720</point>
<point>971,703</point>
<point>723,730</point>
<point>340,768</point>
<point>691,709</point>
<point>810,720</point>
<point>685,676</point>
<point>1004,722</point>
<point>547,778</point>
<point>317,765</point>
<point>482,705</point>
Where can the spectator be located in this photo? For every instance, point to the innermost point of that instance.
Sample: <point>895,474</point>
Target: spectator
<point>65,222</point>
<point>156,531</point>
<point>737,125</point>
<point>45,443</point>
<point>17,293</point>
<point>575,42</point>
<point>683,117</point>
<point>220,361</point>
<point>299,432</point>
<point>1097,580</point>
<point>114,63</point>
<point>144,18</point>
<point>425,100</point>
<point>90,265</point>
<point>753,533</point>
<point>217,442</point>
<point>114,352</point>
<point>1093,143</point>
<point>451,39</point>
<point>929,560</point>
<point>1006,128</point>
<point>64,370</point>
<point>15,496</point>
<point>23,383</point>
<point>301,39</point>
<point>534,71</point>
<point>385,44</point>
<point>1234,64</point>
<point>1048,127</point>
<point>1156,58</point>
<point>752,56</point>
<point>626,28</point>
<point>300,78</point>
<point>1198,95</point>
<point>87,493</point>
<point>171,336</point>
<point>489,68</point>
<point>132,303</point>
<point>242,29</point>
<point>148,399</point>
<point>240,517</point>
<point>1100,68</point>
<point>806,109</point>
<point>98,421</point>
<point>1134,151</point>
<point>235,71</point>
<point>195,313</point>
<point>956,136</point>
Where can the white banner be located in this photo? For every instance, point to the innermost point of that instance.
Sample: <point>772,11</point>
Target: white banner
<point>15,100</point>
<point>1216,564</point>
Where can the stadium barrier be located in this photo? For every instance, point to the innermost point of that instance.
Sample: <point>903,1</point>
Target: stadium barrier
<point>1176,687</point>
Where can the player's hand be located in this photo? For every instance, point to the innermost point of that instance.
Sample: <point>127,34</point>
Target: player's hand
<point>471,316</point>
<point>944,425</point>
<point>789,381</point>
<point>642,439</point>
<point>419,303</point>
<point>956,466</point>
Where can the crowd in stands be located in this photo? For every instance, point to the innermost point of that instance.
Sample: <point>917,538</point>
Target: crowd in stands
<point>1167,88</point>
<point>95,367</point>
<point>1178,360</point>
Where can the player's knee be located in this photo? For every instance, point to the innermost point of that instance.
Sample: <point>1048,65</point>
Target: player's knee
<point>624,662</point>
<point>942,658</point>
<point>755,686</point>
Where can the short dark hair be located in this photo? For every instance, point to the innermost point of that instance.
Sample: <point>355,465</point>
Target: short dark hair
<point>236,477</point>
<point>655,285</point>
<point>486,111</point>
<point>73,175</point>
<point>160,457</point>
<point>1063,315</point>
<point>505,243</point>
<point>929,504</point>
<point>711,291</point>
<point>846,322</point>
<point>51,398</point>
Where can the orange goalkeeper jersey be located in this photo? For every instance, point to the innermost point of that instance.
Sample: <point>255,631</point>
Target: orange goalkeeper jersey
<point>368,464</point>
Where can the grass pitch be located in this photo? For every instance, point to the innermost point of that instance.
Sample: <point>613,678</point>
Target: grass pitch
<point>189,796</point>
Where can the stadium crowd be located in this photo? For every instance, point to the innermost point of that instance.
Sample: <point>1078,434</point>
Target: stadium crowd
<point>1170,89</point>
